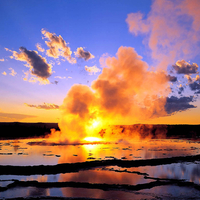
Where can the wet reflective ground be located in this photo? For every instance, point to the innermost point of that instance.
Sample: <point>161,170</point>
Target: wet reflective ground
<point>150,169</point>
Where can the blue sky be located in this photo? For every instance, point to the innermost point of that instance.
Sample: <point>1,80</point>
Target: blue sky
<point>100,27</point>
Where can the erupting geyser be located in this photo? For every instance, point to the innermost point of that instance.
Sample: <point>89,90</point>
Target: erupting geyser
<point>125,91</point>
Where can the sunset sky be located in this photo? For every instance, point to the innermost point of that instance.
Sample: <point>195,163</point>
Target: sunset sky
<point>143,55</point>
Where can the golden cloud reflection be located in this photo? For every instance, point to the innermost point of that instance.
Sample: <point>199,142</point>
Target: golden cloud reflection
<point>99,176</point>
<point>42,151</point>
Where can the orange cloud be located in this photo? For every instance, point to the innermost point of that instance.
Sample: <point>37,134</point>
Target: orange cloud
<point>57,46</point>
<point>81,53</point>
<point>37,64</point>
<point>10,117</point>
<point>4,73</point>
<point>189,78</point>
<point>12,73</point>
<point>137,24</point>
<point>183,67</point>
<point>39,47</point>
<point>168,28</point>
<point>92,70</point>
<point>197,78</point>
<point>7,49</point>
<point>46,106</point>
<point>2,59</point>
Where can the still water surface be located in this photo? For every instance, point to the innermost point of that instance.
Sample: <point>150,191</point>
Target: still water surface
<point>33,152</point>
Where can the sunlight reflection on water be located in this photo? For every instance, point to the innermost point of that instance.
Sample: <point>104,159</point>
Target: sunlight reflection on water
<point>23,152</point>
<point>39,152</point>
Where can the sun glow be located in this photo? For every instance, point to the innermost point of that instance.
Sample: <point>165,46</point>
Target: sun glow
<point>92,131</point>
<point>92,139</point>
<point>95,124</point>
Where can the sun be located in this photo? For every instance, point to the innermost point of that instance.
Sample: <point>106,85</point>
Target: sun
<point>92,139</point>
<point>92,130</point>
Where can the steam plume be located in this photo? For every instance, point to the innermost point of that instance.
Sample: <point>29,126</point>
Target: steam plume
<point>125,91</point>
<point>168,27</point>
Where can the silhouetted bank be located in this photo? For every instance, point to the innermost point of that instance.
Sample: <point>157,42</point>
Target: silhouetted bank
<point>13,130</point>
<point>162,131</point>
<point>76,167</point>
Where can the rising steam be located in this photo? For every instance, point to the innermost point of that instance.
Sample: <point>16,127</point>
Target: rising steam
<point>128,90</point>
<point>125,91</point>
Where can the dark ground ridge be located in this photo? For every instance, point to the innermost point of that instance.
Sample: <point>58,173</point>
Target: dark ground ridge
<point>75,167</point>
<point>51,198</point>
<point>102,186</point>
<point>16,130</point>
